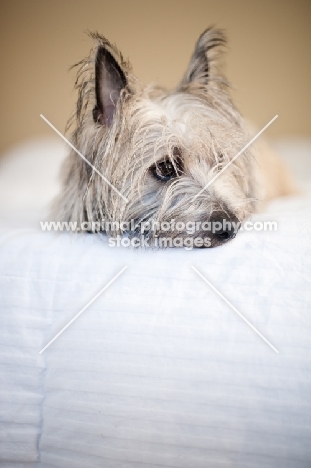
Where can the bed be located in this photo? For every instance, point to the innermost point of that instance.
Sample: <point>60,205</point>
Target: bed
<point>159,370</point>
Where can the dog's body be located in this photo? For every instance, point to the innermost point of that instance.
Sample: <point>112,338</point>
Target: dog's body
<point>159,149</point>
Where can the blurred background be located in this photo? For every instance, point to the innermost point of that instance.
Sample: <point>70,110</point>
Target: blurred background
<point>268,59</point>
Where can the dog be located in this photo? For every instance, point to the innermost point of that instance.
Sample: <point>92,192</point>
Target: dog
<point>151,156</point>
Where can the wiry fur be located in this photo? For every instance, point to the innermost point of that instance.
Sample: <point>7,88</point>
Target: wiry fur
<point>198,121</point>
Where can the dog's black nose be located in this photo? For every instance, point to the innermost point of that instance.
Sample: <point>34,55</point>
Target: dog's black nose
<point>224,226</point>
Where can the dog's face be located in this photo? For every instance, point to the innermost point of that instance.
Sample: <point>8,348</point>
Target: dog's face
<point>159,149</point>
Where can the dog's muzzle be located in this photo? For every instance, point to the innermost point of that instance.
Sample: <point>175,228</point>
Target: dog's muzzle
<point>225,226</point>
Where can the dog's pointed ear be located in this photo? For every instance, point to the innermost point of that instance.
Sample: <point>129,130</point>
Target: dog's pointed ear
<point>109,82</point>
<point>203,64</point>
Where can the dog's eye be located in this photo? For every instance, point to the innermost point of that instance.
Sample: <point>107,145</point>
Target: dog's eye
<point>168,168</point>
<point>164,170</point>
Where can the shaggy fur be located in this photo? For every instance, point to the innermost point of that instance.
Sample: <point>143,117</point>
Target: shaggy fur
<point>130,132</point>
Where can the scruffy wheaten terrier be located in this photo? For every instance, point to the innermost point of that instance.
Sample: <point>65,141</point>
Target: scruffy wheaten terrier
<point>149,152</point>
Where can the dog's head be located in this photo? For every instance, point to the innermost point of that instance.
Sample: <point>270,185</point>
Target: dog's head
<point>160,153</point>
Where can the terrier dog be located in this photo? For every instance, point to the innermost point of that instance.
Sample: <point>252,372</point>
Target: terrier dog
<point>157,150</point>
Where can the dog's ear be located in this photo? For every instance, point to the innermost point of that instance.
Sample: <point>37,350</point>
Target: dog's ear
<point>203,64</point>
<point>109,82</point>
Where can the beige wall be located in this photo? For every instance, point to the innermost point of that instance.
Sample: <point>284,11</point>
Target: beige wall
<point>268,60</point>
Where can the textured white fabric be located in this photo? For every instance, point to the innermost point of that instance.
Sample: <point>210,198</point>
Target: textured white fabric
<point>158,371</point>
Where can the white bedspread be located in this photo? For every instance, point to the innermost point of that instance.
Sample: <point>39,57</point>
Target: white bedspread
<point>159,371</point>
